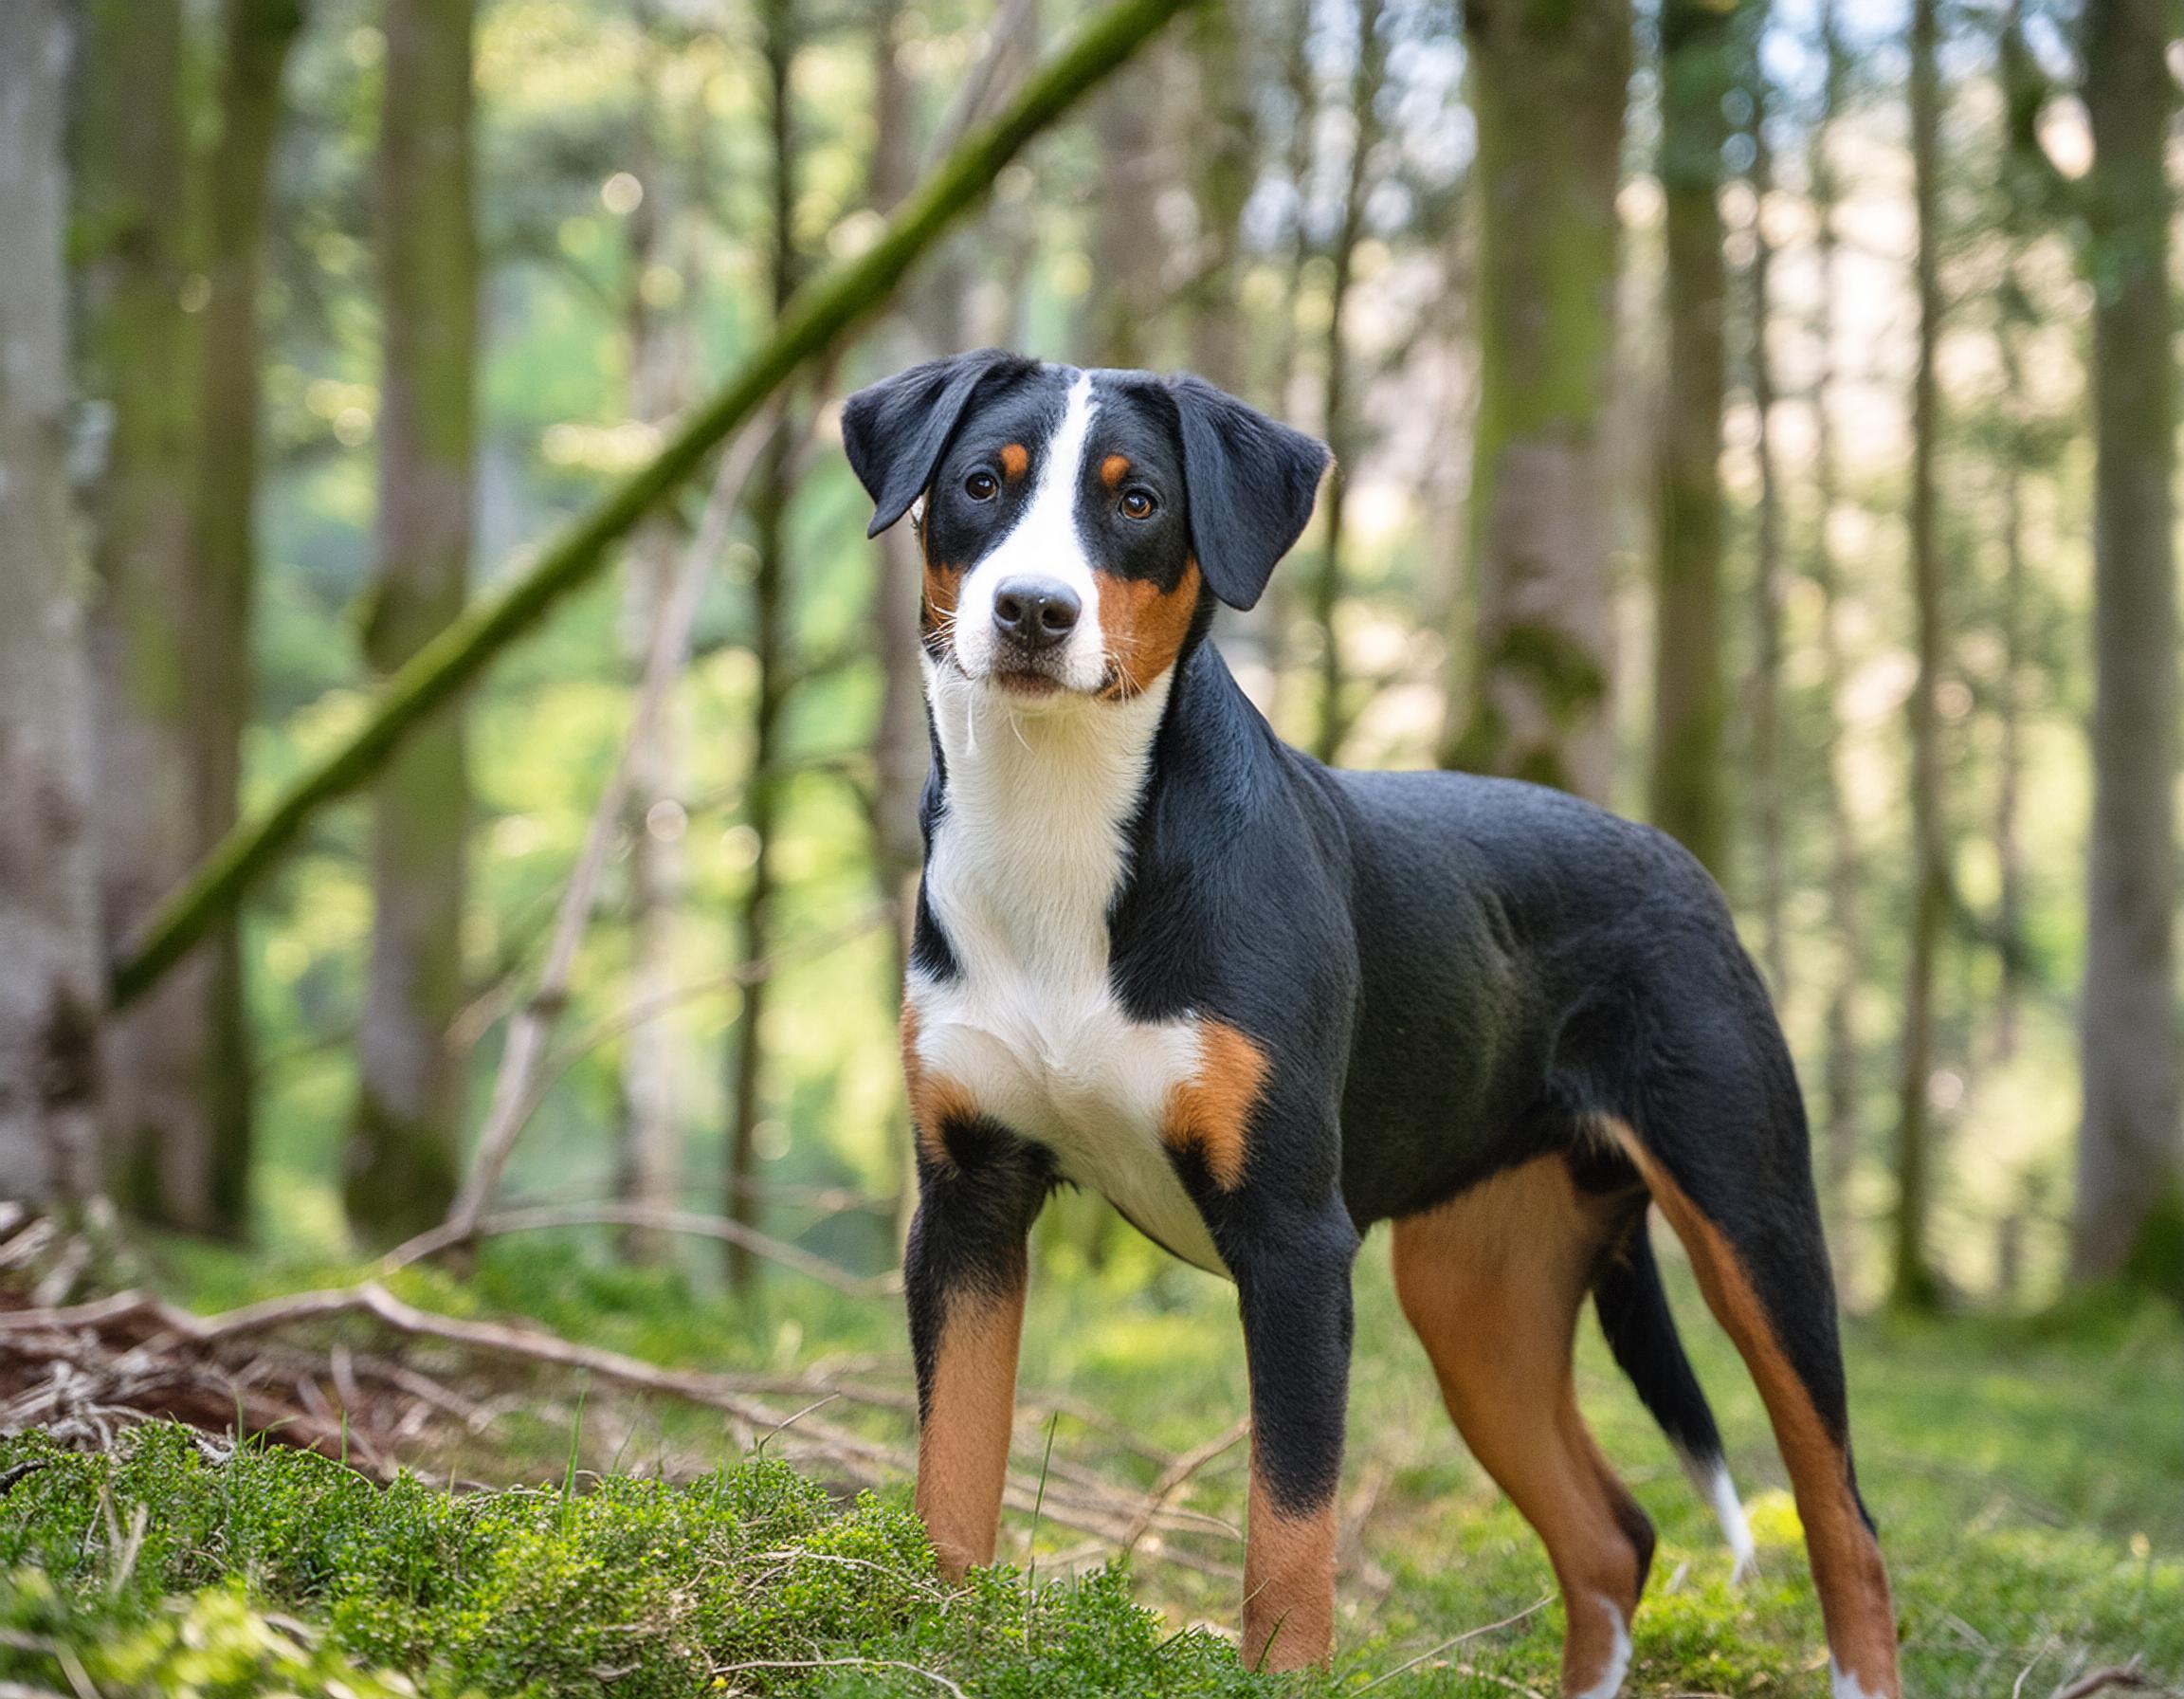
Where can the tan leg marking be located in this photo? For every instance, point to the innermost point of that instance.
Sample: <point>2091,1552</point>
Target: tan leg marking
<point>1211,1112</point>
<point>963,1440</point>
<point>936,1100</point>
<point>1288,1582</point>
<point>1492,1281</point>
<point>1847,1570</point>
<point>1144,627</point>
<point>1015,460</point>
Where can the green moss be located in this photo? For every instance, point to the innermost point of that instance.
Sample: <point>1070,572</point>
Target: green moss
<point>752,1580</point>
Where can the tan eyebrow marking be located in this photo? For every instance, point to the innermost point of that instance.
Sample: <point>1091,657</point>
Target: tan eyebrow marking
<point>1015,460</point>
<point>1114,469</point>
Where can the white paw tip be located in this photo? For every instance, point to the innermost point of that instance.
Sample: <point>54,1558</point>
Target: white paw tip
<point>1848,1686</point>
<point>1612,1673</point>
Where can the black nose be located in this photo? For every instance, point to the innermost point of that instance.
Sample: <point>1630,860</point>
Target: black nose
<point>1035,613</point>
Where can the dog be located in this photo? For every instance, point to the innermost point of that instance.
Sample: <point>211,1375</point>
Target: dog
<point>1261,1004</point>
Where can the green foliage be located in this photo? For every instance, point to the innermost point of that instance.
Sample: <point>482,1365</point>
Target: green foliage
<point>161,1568</point>
<point>2028,1478</point>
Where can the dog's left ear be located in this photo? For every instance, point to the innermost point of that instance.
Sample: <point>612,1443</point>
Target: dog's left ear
<point>895,431</point>
<point>1252,482</point>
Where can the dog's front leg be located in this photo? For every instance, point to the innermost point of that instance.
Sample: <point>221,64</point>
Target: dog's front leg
<point>978,1191</point>
<point>1292,1270</point>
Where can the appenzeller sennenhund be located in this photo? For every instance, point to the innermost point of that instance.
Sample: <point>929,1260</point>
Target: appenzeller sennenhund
<point>1261,1005</point>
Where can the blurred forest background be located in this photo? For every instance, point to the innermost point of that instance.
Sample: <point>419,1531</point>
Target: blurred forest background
<point>1755,415</point>
<point>455,825</point>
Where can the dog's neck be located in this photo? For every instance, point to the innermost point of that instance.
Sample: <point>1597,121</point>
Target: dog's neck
<point>1031,842</point>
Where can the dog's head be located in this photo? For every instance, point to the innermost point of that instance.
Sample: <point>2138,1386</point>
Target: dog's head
<point>1075,523</point>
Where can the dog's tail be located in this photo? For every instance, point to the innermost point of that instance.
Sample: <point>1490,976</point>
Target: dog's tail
<point>1641,1330</point>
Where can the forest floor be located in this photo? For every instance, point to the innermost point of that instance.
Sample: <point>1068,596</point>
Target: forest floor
<point>2028,1478</point>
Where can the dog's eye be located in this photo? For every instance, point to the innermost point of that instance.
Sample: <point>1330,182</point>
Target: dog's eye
<point>981,486</point>
<point>1138,505</point>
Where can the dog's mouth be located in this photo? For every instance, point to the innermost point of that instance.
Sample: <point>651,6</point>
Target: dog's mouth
<point>1026,682</point>
<point>1024,677</point>
<point>1027,674</point>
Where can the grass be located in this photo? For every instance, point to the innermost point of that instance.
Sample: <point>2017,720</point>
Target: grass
<point>2028,1479</point>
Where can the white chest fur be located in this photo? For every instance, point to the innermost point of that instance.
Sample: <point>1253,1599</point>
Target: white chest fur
<point>1025,858</point>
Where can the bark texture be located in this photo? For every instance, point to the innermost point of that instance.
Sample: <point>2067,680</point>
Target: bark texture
<point>1844,1070</point>
<point>1540,495</point>
<point>1220,132</point>
<point>1128,248</point>
<point>1912,1282</point>
<point>406,1142</point>
<point>1698,70</point>
<point>650,1169</point>
<point>50,992</point>
<point>1339,411</point>
<point>131,236</point>
<point>1768,584</point>
<point>771,613</point>
<point>2128,1158</point>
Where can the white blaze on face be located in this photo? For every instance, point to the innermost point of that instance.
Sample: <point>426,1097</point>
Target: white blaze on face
<point>1044,543</point>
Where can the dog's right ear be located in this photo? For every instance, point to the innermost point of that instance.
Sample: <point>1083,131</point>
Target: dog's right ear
<point>895,431</point>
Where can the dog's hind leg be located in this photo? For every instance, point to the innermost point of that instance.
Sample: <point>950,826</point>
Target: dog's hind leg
<point>1492,1281</point>
<point>1742,1203</point>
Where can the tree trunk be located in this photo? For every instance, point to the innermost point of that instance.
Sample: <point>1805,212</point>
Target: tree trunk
<point>1220,133</point>
<point>1913,1285</point>
<point>770,622</point>
<point>1128,248</point>
<point>1698,71</point>
<point>2010,710</point>
<point>2129,1166</point>
<point>1302,88</point>
<point>405,1150</point>
<point>2025,191</point>
<point>1546,326</point>
<point>130,230</point>
<point>650,1169</point>
<point>900,750</point>
<point>1769,587</point>
<point>258,37</point>
<point>1369,57</point>
<point>1843,1072</point>
<point>50,990</point>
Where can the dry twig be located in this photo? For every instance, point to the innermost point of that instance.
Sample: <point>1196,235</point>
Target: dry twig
<point>2121,1675</point>
<point>643,1215</point>
<point>1177,1475</point>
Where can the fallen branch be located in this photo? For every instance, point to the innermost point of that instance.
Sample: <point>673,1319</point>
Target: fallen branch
<point>815,320</point>
<point>1470,1634</point>
<point>152,1328</point>
<point>2121,1675</point>
<point>838,1663</point>
<point>1172,1480</point>
<point>646,1217</point>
